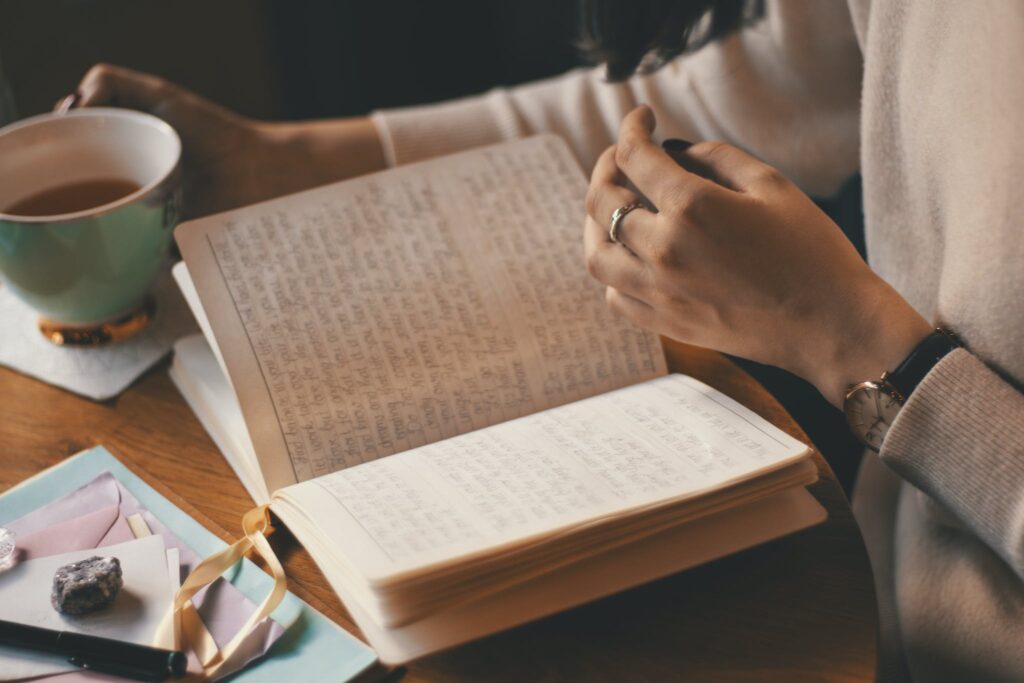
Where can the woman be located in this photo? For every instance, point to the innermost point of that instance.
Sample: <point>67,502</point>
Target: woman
<point>725,250</point>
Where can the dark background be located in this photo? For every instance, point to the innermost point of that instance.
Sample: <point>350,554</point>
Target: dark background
<point>297,59</point>
<point>288,59</point>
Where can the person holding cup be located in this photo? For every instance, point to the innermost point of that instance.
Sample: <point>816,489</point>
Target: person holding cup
<point>230,160</point>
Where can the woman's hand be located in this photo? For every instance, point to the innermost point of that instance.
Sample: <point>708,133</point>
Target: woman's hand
<point>736,258</point>
<point>231,160</point>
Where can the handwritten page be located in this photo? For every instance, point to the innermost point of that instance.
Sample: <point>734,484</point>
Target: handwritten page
<point>661,440</point>
<point>401,309</point>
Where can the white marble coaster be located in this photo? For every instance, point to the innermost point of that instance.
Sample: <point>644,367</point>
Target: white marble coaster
<point>97,373</point>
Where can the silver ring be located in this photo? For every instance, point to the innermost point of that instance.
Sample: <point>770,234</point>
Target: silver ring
<point>617,216</point>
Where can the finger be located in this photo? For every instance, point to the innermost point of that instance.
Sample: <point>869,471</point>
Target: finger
<point>606,170</point>
<point>631,308</point>
<point>731,166</point>
<point>604,198</point>
<point>606,195</point>
<point>649,167</point>
<point>106,84</point>
<point>612,264</point>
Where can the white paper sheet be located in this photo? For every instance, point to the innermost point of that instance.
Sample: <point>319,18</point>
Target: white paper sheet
<point>134,616</point>
<point>659,441</point>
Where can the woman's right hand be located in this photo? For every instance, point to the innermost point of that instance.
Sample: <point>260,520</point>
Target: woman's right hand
<point>230,160</point>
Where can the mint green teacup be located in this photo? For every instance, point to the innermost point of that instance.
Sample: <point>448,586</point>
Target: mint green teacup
<point>96,264</point>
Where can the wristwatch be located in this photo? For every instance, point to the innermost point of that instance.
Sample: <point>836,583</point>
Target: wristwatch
<point>872,406</point>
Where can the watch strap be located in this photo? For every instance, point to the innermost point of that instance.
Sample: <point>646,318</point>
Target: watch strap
<point>920,361</point>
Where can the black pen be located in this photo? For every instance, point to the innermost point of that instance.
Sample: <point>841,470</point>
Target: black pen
<point>102,655</point>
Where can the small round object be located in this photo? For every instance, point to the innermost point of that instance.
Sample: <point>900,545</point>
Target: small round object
<point>7,546</point>
<point>617,216</point>
<point>871,407</point>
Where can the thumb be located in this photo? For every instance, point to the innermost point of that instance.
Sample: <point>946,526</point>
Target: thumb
<point>727,165</point>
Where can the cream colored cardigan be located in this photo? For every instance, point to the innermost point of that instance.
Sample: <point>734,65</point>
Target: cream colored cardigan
<point>925,98</point>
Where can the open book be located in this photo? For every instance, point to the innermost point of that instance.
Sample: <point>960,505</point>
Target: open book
<point>417,373</point>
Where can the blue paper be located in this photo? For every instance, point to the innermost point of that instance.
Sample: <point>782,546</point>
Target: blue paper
<point>313,648</point>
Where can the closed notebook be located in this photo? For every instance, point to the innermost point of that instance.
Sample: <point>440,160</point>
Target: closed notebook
<point>414,369</point>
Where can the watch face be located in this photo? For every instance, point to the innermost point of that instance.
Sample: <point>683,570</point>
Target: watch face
<point>870,410</point>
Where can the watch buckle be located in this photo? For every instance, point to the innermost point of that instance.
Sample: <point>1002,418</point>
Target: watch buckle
<point>890,388</point>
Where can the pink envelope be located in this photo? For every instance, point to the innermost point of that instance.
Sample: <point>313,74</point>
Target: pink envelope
<point>106,526</point>
<point>95,516</point>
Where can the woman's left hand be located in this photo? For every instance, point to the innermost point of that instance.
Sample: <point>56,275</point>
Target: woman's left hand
<point>738,259</point>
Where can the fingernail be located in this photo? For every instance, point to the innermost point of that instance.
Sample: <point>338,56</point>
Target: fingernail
<point>69,102</point>
<point>676,145</point>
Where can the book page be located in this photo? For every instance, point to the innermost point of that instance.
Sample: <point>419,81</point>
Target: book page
<point>643,445</point>
<point>373,316</point>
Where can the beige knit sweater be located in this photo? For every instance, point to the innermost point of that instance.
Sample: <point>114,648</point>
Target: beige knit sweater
<point>925,98</point>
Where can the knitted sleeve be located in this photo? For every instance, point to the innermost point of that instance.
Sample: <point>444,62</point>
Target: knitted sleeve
<point>786,89</point>
<point>960,439</point>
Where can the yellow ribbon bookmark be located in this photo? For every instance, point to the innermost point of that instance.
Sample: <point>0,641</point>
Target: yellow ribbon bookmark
<point>255,524</point>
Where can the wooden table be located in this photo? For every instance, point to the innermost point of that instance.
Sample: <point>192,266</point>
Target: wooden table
<point>798,609</point>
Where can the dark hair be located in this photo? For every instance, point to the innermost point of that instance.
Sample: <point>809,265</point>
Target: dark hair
<point>639,36</point>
